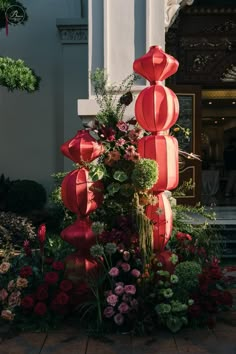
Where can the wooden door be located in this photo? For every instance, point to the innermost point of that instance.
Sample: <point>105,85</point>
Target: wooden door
<point>190,117</point>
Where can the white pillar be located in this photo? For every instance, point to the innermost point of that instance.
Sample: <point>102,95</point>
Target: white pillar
<point>119,32</point>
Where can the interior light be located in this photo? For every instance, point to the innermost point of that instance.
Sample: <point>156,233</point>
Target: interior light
<point>215,122</point>
<point>233,102</point>
<point>222,118</point>
<point>209,102</point>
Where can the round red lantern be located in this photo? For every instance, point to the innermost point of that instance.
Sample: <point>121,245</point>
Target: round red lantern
<point>156,65</point>
<point>79,234</point>
<point>164,150</point>
<point>78,267</point>
<point>162,218</point>
<point>79,194</point>
<point>156,108</point>
<point>82,148</point>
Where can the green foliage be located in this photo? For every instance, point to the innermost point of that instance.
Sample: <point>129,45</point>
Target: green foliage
<point>14,74</point>
<point>187,273</point>
<point>5,185</point>
<point>145,174</point>
<point>26,195</point>
<point>111,109</point>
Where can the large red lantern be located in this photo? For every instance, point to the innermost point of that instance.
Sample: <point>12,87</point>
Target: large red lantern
<point>156,65</point>
<point>161,216</point>
<point>164,150</point>
<point>156,108</point>
<point>79,234</point>
<point>82,148</point>
<point>79,194</point>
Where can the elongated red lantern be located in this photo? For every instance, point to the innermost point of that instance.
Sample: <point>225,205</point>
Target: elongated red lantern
<point>156,108</point>
<point>161,216</point>
<point>164,150</point>
<point>79,194</point>
<point>156,65</point>
<point>82,147</point>
<point>77,267</point>
<point>79,235</point>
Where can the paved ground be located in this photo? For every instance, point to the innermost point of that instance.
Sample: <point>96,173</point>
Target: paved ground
<point>221,340</point>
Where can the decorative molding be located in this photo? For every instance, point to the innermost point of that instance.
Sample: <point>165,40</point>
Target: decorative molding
<point>201,61</point>
<point>73,31</point>
<point>227,26</point>
<point>205,43</point>
<point>213,10</point>
<point>172,8</point>
<point>229,75</point>
<point>218,94</point>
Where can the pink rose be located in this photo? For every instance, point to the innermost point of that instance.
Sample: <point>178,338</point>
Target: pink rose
<point>11,285</point>
<point>126,256</point>
<point>122,126</point>
<point>135,273</point>
<point>125,298</point>
<point>112,300</point>
<point>125,267</point>
<point>14,299</point>
<point>3,294</point>
<point>123,307</point>
<point>130,289</point>
<point>119,319</point>
<point>108,312</point>
<point>7,315</point>
<point>114,272</point>
<point>119,290</point>
<point>119,283</point>
<point>120,142</point>
<point>4,267</point>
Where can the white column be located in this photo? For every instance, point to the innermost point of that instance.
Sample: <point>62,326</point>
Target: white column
<point>119,32</point>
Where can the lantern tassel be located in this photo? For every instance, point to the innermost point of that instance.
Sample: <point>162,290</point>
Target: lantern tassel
<point>6,27</point>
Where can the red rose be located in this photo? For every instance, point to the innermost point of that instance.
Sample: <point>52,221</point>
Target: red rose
<point>51,277</point>
<point>226,298</point>
<point>48,260</point>
<point>58,265</point>
<point>42,233</point>
<point>59,309</point>
<point>27,302</point>
<point>42,292</point>
<point>62,298</point>
<point>26,271</point>
<point>181,236</point>
<point>66,285</point>
<point>40,309</point>
<point>195,310</point>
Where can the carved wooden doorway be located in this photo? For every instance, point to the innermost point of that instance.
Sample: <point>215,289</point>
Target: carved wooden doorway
<point>190,117</point>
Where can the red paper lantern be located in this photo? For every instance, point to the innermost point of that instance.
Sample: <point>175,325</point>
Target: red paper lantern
<point>164,150</point>
<point>156,65</point>
<point>82,148</point>
<point>78,267</point>
<point>79,234</point>
<point>79,194</point>
<point>161,216</point>
<point>156,108</point>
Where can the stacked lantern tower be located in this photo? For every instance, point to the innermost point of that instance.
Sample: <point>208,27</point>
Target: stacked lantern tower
<point>81,196</point>
<point>156,111</point>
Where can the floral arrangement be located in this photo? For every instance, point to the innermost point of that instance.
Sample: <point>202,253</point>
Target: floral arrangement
<point>34,292</point>
<point>131,288</point>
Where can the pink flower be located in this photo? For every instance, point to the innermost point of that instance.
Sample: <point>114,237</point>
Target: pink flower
<point>130,289</point>
<point>119,290</point>
<point>126,256</point>
<point>120,142</point>
<point>11,285</point>
<point>14,299</point>
<point>3,294</point>
<point>7,315</point>
<point>112,300</point>
<point>119,319</point>
<point>125,267</point>
<point>135,273</point>
<point>114,272</point>
<point>125,298</point>
<point>4,267</point>
<point>123,307</point>
<point>108,312</point>
<point>120,283</point>
<point>122,126</point>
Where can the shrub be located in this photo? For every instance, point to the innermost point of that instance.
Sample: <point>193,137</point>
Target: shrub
<point>25,196</point>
